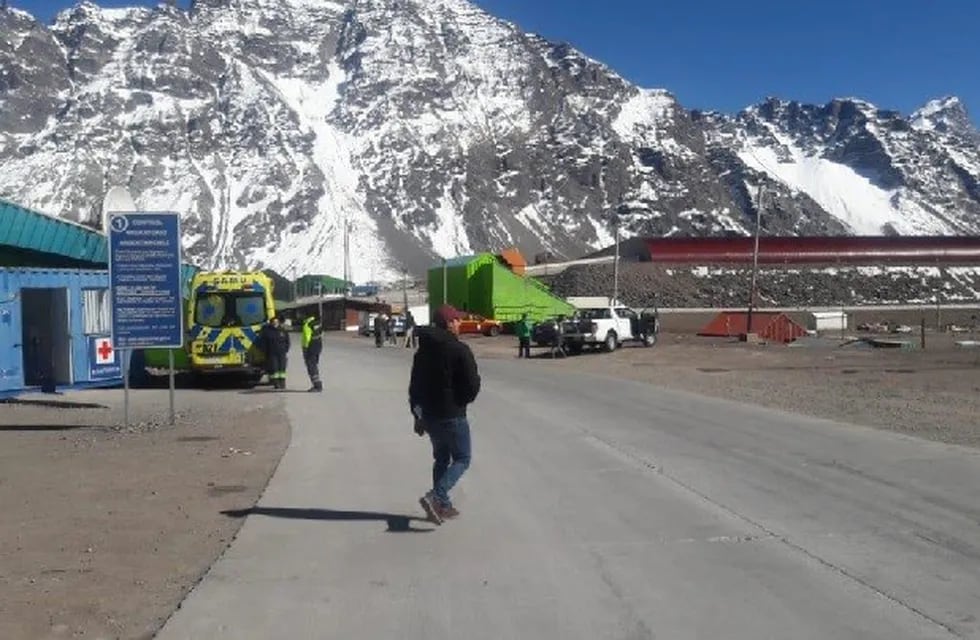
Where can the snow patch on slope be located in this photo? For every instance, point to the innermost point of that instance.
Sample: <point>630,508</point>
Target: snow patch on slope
<point>971,165</point>
<point>449,238</point>
<point>642,111</point>
<point>341,201</point>
<point>604,237</point>
<point>535,222</point>
<point>847,195</point>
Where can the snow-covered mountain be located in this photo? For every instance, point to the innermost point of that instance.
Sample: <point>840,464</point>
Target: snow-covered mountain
<point>432,129</point>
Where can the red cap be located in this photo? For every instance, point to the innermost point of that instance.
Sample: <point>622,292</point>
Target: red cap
<point>446,314</point>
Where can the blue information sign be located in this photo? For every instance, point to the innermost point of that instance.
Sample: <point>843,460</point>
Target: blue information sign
<point>144,277</point>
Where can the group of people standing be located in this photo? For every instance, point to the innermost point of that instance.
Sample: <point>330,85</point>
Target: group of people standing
<point>386,330</point>
<point>274,342</point>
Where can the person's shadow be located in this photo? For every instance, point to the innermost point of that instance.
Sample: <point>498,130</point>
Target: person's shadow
<point>397,523</point>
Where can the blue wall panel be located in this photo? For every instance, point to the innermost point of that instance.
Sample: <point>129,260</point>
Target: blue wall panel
<point>11,283</point>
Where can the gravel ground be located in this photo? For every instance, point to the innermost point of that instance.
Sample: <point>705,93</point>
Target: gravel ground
<point>106,528</point>
<point>645,284</point>
<point>933,394</point>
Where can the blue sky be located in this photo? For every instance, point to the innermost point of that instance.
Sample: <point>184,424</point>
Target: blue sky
<point>726,54</point>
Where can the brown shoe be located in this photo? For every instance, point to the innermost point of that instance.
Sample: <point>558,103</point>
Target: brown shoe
<point>448,513</point>
<point>431,508</point>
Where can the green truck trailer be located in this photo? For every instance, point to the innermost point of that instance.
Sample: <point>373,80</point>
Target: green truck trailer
<point>481,284</point>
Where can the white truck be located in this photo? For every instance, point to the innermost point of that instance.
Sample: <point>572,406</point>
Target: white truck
<point>608,325</point>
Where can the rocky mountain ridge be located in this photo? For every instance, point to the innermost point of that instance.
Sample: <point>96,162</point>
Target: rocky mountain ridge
<point>429,128</point>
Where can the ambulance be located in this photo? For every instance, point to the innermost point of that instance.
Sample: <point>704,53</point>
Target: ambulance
<point>225,316</point>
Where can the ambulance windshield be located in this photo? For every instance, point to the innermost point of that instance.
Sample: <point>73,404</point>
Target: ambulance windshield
<point>230,309</point>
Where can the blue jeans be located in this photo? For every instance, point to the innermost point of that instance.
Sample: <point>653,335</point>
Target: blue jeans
<point>451,450</point>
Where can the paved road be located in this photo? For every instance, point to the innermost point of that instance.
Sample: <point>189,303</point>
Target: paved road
<point>595,509</point>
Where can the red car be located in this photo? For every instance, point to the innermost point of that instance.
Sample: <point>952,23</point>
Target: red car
<point>473,323</point>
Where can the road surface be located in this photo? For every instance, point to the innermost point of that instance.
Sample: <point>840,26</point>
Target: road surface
<point>594,508</point>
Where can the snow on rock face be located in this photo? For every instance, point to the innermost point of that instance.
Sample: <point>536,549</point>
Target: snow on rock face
<point>870,169</point>
<point>945,115</point>
<point>642,111</point>
<point>855,200</point>
<point>432,129</point>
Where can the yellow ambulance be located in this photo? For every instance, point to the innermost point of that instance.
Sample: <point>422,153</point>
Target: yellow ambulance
<point>226,314</point>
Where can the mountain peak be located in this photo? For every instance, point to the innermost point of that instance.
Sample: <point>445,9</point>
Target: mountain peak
<point>945,115</point>
<point>88,12</point>
<point>23,15</point>
<point>947,103</point>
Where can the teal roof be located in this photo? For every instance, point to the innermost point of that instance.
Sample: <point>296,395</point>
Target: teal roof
<point>30,231</point>
<point>31,238</point>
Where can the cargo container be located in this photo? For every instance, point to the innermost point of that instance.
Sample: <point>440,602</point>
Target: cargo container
<point>482,284</point>
<point>55,329</point>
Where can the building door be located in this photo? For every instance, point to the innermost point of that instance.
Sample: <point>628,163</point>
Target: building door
<point>46,337</point>
<point>11,362</point>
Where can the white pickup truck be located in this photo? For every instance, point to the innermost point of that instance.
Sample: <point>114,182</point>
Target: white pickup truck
<point>609,326</point>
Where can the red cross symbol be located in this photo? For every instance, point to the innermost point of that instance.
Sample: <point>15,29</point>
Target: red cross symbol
<point>104,350</point>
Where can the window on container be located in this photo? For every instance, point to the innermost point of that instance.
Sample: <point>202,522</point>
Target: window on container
<point>95,311</point>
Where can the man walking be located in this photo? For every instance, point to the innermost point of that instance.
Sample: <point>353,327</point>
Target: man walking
<point>312,347</point>
<point>523,330</point>
<point>444,381</point>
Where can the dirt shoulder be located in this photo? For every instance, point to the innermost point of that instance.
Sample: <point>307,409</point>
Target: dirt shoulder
<point>933,394</point>
<point>105,530</point>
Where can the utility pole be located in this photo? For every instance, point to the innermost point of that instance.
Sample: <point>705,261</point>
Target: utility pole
<point>445,282</point>
<point>405,289</point>
<point>295,272</point>
<point>755,258</point>
<point>319,292</point>
<point>346,275</point>
<point>615,300</point>
<point>347,270</point>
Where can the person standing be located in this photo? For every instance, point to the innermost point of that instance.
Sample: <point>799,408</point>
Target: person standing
<point>393,330</point>
<point>410,339</point>
<point>312,348</point>
<point>380,326</point>
<point>445,380</point>
<point>523,330</point>
<point>275,344</point>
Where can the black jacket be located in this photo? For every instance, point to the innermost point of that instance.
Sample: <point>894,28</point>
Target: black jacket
<point>444,375</point>
<point>274,341</point>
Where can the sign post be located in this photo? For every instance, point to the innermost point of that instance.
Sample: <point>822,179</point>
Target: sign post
<point>144,282</point>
